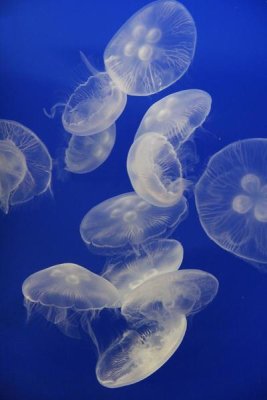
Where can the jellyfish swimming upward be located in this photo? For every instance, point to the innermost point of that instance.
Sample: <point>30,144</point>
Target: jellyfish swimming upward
<point>25,165</point>
<point>231,199</point>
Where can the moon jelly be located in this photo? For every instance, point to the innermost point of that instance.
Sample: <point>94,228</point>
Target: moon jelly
<point>231,199</point>
<point>153,49</point>
<point>25,165</point>
<point>126,272</point>
<point>127,222</point>
<point>86,153</point>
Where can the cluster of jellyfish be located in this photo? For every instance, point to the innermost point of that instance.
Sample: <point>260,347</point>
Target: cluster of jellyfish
<point>141,281</point>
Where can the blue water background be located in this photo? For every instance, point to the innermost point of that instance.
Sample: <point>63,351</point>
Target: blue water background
<point>224,353</point>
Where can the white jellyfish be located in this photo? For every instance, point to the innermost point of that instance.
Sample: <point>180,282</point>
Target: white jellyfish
<point>177,116</point>
<point>25,165</point>
<point>231,199</point>
<point>127,222</point>
<point>153,49</point>
<point>156,158</point>
<point>127,272</point>
<point>69,295</point>
<point>156,312</point>
<point>86,153</point>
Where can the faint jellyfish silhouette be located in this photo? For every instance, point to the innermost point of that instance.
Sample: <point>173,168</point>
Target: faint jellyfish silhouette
<point>156,312</point>
<point>177,116</point>
<point>155,159</point>
<point>126,272</point>
<point>86,153</point>
<point>153,49</point>
<point>127,222</point>
<point>25,165</point>
<point>231,199</point>
<point>69,295</point>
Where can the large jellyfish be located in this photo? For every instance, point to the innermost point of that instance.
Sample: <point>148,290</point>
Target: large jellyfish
<point>25,165</point>
<point>153,49</point>
<point>231,199</point>
<point>69,295</point>
<point>127,222</point>
<point>86,153</point>
<point>156,312</point>
<point>126,272</point>
<point>155,159</point>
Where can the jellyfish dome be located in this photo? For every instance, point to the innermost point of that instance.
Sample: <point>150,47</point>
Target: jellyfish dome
<point>155,170</point>
<point>177,116</point>
<point>127,272</point>
<point>93,106</point>
<point>153,49</point>
<point>231,199</point>
<point>25,165</point>
<point>86,153</point>
<point>127,222</point>
<point>136,355</point>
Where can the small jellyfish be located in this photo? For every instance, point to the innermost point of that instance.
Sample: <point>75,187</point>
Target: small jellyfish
<point>127,222</point>
<point>153,49</point>
<point>86,153</point>
<point>177,116</point>
<point>67,292</point>
<point>25,165</point>
<point>155,170</point>
<point>127,272</point>
<point>231,199</point>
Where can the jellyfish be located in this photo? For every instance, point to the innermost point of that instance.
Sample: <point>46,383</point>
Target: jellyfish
<point>177,116</point>
<point>153,49</point>
<point>231,199</point>
<point>69,295</point>
<point>86,153</point>
<point>126,272</point>
<point>25,165</point>
<point>127,222</point>
<point>156,312</point>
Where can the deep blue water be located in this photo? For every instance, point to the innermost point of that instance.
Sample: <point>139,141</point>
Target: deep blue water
<point>223,355</point>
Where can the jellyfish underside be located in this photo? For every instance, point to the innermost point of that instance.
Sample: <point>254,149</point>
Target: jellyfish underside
<point>155,170</point>
<point>153,49</point>
<point>86,153</point>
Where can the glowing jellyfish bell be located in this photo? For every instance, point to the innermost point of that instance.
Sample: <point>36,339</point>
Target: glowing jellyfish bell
<point>25,165</point>
<point>231,199</point>
<point>156,312</point>
<point>153,49</point>
<point>127,272</point>
<point>86,153</point>
<point>127,222</point>
<point>64,292</point>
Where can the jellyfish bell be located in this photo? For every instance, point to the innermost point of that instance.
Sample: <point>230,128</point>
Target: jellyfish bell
<point>153,49</point>
<point>177,116</point>
<point>127,222</point>
<point>67,293</point>
<point>25,164</point>
<point>139,353</point>
<point>86,153</point>
<point>231,199</point>
<point>127,272</point>
<point>155,170</point>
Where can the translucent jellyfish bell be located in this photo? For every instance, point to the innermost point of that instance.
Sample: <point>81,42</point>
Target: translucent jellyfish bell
<point>153,49</point>
<point>136,355</point>
<point>155,170</point>
<point>94,106</point>
<point>61,291</point>
<point>86,153</point>
<point>127,222</point>
<point>177,116</point>
<point>25,165</point>
<point>231,199</point>
<point>127,272</point>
